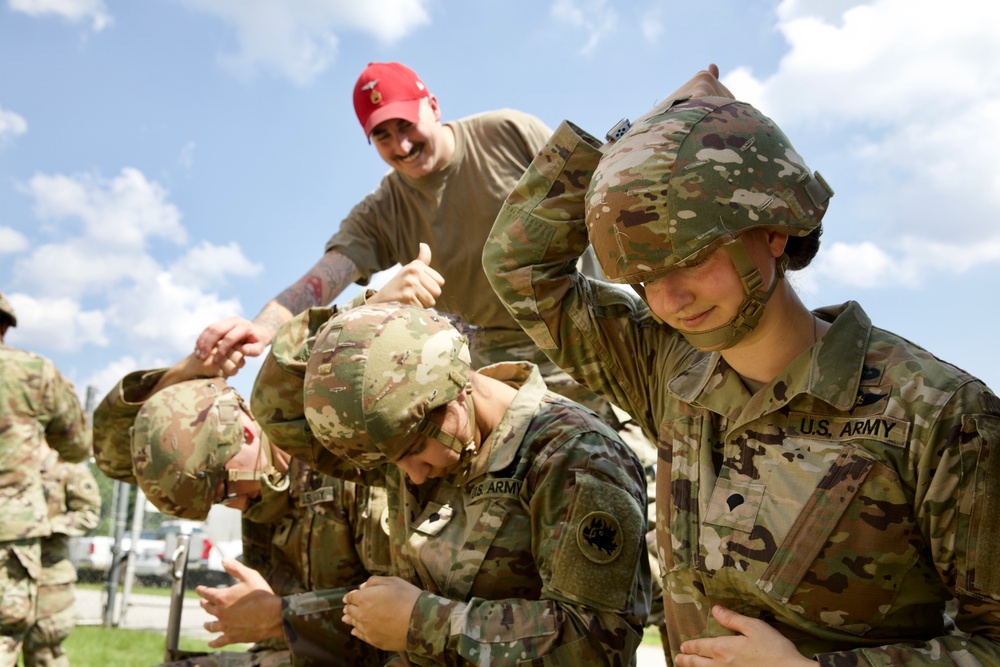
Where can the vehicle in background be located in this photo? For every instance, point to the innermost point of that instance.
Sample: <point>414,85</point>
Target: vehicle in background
<point>93,556</point>
<point>205,556</point>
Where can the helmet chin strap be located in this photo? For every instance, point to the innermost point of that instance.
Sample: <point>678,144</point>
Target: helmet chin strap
<point>264,473</point>
<point>450,440</point>
<point>750,311</point>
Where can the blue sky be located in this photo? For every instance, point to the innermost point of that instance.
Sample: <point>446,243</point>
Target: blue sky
<point>167,163</point>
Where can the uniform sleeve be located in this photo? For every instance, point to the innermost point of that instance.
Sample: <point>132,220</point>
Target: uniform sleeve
<point>113,421</point>
<point>957,462</point>
<point>83,502</point>
<point>316,634</point>
<point>67,430</point>
<point>587,505</point>
<point>588,328</point>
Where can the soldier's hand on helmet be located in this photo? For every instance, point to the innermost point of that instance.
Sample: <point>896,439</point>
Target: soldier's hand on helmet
<point>755,644</point>
<point>191,367</point>
<point>379,611</point>
<point>416,284</point>
<point>233,333</point>
<point>245,612</point>
<point>704,83</point>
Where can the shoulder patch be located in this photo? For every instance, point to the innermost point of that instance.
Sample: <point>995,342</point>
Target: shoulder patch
<point>600,537</point>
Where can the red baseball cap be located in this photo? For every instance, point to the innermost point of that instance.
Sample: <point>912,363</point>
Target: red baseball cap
<point>387,90</point>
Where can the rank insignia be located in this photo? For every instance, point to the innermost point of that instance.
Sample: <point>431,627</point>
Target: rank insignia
<point>599,537</point>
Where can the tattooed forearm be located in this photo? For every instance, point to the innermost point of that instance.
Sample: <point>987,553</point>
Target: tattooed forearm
<point>321,285</point>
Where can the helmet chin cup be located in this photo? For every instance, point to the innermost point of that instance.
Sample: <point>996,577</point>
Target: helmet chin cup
<point>751,309</point>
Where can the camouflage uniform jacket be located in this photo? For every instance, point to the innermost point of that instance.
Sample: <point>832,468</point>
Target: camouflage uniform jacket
<point>322,532</point>
<point>74,509</point>
<point>36,403</point>
<point>534,548</point>
<point>845,503</point>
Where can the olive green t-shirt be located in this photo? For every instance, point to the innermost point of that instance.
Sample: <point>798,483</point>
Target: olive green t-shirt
<point>452,211</point>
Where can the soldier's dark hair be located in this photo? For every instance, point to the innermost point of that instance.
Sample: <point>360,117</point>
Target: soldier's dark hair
<point>802,249</point>
<point>5,323</point>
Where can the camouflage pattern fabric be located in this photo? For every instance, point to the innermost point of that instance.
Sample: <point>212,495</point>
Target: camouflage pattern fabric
<point>20,565</point>
<point>261,658</point>
<point>74,503</point>
<point>845,503</point>
<point>56,619</point>
<point>113,420</point>
<point>182,439</point>
<point>401,362</point>
<point>321,532</point>
<point>534,549</point>
<point>36,404</point>
<point>689,177</point>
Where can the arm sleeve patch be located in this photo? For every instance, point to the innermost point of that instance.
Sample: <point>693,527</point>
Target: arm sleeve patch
<point>597,560</point>
<point>986,578</point>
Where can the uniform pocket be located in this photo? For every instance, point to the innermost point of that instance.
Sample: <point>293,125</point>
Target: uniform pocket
<point>850,548</point>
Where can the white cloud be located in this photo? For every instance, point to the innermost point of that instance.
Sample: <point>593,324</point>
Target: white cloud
<point>299,40</point>
<point>12,241</point>
<point>11,124</point>
<point>73,11</point>
<point>123,212</point>
<point>58,323</point>
<point>906,91</point>
<point>866,264</point>
<point>596,18</point>
<point>102,254</point>
<point>161,316</point>
<point>208,264</point>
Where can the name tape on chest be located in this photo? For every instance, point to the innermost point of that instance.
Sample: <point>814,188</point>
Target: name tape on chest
<point>825,427</point>
<point>321,495</point>
<point>496,488</point>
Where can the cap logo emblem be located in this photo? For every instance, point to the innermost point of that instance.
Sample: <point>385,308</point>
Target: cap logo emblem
<point>376,96</point>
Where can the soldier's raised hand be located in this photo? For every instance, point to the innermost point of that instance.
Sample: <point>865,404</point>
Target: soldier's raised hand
<point>416,284</point>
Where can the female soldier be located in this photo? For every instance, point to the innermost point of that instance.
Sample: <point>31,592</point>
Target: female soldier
<point>517,528</point>
<point>824,487</point>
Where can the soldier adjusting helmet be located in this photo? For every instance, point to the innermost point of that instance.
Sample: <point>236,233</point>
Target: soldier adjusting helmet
<point>690,177</point>
<point>376,373</point>
<point>7,311</point>
<point>181,441</point>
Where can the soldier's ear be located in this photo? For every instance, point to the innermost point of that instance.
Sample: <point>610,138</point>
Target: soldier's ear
<point>248,436</point>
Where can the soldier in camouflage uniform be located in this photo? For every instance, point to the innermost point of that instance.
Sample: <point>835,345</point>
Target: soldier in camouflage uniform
<point>37,404</point>
<point>517,518</point>
<point>193,444</point>
<point>74,503</point>
<point>824,487</point>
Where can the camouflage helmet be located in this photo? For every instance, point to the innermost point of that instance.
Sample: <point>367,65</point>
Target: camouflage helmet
<point>374,375</point>
<point>182,439</point>
<point>691,176</point>
<point>7,310</point>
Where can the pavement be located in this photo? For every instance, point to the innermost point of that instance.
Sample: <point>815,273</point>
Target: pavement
<point>149,612</point>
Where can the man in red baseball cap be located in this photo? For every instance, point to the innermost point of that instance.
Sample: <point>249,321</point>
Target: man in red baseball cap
<point>403,119</point>
<point>447,184</point>
<point>446,187</point>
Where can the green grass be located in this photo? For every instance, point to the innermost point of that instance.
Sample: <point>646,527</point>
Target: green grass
<point>95,646</point>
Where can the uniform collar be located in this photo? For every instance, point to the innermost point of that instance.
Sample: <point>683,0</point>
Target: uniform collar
<point>500,446</point>
<point>830,370</point>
